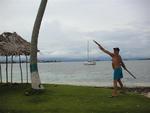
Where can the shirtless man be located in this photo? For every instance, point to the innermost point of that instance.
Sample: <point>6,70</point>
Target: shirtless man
<point>116,65</point>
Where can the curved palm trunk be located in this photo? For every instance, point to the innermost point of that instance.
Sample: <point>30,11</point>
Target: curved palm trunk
<point>35,79</point>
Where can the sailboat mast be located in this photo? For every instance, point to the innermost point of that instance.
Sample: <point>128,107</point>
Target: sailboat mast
<point>89,62</point>
<point>88,51</point>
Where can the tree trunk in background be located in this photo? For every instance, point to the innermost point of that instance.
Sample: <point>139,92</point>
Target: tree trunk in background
<point>35,79</point>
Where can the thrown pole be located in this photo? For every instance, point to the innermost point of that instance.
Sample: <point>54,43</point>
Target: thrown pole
<point>20,69</point>
<point>27,67</point>
<point>12,69</point>
<point>6,69</point>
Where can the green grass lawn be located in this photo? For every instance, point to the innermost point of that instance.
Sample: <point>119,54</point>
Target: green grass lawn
<point>70,99</point>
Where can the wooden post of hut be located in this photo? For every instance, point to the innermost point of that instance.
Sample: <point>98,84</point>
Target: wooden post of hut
<point>27,67</point>
<point>12,69</point>
<point>1,74</point>
<point>6,69</point>
<point>20,69</point>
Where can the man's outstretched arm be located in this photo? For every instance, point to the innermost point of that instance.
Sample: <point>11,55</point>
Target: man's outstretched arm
<point>104,50</point>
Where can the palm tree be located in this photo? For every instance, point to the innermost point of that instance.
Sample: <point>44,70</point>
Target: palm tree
<point>35,79</point>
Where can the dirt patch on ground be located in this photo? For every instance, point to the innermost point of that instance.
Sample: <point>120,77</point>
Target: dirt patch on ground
<point>141,90</point>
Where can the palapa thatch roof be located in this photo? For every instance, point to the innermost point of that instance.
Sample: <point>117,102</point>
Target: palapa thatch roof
<point>13,44</point>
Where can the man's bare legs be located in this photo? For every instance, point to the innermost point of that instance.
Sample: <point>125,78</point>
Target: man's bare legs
<point>120,83</point>
<point>114,92</point>
<point>121,86</point>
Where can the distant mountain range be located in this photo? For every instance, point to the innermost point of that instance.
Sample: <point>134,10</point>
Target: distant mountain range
<point>43,58</point>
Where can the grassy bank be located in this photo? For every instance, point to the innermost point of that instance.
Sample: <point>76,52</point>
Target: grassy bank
<point>69,99</point>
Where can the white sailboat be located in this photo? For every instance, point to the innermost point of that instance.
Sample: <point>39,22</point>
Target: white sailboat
<point>89,62</point>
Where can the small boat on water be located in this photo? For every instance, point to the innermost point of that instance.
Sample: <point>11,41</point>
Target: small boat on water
<point>90,63</point>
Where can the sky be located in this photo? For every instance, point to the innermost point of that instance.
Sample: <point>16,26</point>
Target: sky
<point>67,25</point>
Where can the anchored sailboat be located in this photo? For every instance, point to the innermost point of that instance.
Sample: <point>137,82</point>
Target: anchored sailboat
<point>89,62</point>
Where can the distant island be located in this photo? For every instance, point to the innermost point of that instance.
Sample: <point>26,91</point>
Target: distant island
<point>43,59</point>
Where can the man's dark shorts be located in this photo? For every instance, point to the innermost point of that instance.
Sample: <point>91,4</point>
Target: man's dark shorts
<point>118,73</point>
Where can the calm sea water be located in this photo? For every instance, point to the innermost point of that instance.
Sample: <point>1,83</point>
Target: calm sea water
<point>76,73</point>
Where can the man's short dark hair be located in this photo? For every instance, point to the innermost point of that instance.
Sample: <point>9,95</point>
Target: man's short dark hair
<point>116,49</point>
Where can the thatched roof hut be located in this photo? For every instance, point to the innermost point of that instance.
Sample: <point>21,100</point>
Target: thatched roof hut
<point>13,44</point>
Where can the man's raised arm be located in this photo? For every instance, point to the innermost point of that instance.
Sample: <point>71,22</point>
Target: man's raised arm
<point>104,50</point>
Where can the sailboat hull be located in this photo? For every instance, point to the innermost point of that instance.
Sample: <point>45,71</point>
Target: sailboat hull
<point>90,63</point>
